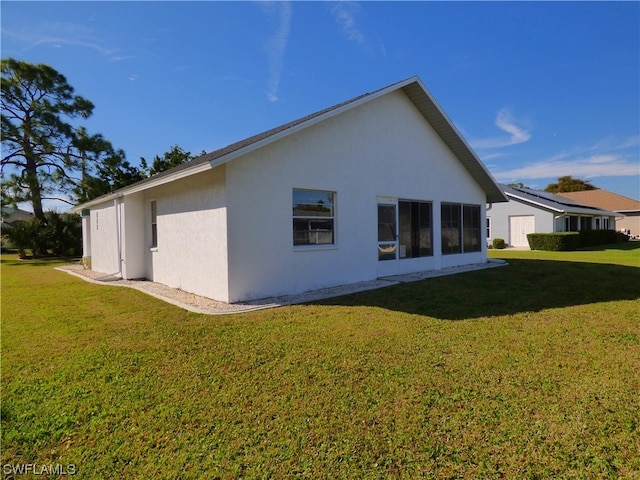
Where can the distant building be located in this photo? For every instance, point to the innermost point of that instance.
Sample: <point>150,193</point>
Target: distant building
<point>9,215</point>
<point>533,211</point>
<point>604,199</point>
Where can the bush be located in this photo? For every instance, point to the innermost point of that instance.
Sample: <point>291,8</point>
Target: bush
<point>60,234</point>
<point>593,238</point>
<point>566,241</point>
<point>554,242</point>
<point>498,243</point>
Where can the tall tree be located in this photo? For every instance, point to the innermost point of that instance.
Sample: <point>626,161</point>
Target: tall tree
<point>174,157</point>
<point>569,184</point>
<point>39,146</point>
<point>103,169</point>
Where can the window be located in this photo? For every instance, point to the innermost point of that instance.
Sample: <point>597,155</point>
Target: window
<point>387,238</point>
<point>450,226</point>
<point>571,223</point>
<point>313,217</point>
<point>488,227</point>
<point>586,224</point>
<point>461,228</point>
<point>415,229</point>
<point>154,224</point>
<point>471,228</point>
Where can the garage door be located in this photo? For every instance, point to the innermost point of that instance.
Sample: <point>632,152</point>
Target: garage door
<point>519,227</point>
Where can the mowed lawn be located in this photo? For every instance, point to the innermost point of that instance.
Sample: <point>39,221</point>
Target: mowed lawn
<point>526,371</point>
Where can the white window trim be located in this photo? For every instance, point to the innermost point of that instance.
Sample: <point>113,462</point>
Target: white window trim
<point>319,246</point>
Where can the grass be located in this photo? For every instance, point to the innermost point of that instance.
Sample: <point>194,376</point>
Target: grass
<point>525,371</point>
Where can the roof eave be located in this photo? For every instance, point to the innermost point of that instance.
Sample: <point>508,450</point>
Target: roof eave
<point>144,185</point>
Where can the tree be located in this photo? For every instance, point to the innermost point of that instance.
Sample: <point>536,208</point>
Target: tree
<point>39,146</point>
<point>569,184</point>
<point>103,169</point>
<point>174,157</point>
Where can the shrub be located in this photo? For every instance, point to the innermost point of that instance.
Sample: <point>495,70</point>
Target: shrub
<point>499,243</point>
<point>554,242</point>
<point>593,238</point>
<point>60,234</point>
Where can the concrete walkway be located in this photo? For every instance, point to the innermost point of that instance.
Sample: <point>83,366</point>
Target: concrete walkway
<point>198,304</point>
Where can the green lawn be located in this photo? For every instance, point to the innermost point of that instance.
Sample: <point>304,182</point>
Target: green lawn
<point>525,371</point>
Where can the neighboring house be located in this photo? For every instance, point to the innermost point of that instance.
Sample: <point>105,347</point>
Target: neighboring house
<point>379,185</point>
<point>533,211</point>
<point>10,215</point>
<point>606,200</point>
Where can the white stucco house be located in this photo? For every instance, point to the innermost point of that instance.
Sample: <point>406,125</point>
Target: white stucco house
<point>534,211</point>
<point>379,185</point>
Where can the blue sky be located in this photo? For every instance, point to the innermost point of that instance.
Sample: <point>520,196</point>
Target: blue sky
<point>539,90</point>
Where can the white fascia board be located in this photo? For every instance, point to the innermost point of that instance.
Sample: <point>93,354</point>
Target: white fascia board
<point>531,202</point>
<point>144,186</point>
<point>565,211</point>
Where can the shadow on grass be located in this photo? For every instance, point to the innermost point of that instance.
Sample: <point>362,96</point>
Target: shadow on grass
<point>522,286</point>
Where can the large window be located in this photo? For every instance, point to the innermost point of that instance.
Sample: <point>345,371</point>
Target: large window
<point>451,220</point>
<point>415,229</point>
<point>313,217</point>
<point>571,223</point>
<point>461,228</point>
<point>154,224</point>
<point>471,228</point>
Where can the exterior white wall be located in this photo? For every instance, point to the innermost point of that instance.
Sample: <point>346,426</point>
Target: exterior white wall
<point>133,246</point>
<point>499,217</point>
<point>382,148</point>
<point>105,224</point>
<point>191,222</point>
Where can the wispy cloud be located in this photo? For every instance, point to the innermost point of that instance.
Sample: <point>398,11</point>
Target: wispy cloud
<point>507,123</point>
<point>61,34</point>
<point>609,162</point>
<point>277,44</point>
<point>344,13</point>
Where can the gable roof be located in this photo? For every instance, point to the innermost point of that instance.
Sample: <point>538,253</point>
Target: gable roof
<point>552,202</point>
<point>604,199</point>
<point>412,87</point>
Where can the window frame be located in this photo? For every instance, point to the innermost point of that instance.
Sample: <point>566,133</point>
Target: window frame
<point>309,219</point>
<point>462,226</point>
<point>153,207</point>
<point>415,228</point>
<point>451,227</point>
<point>474,231</point>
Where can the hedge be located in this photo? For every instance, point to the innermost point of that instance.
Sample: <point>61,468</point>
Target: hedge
<point>566,241</point>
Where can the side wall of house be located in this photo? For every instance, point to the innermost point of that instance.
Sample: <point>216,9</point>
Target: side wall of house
<point>630,222</point>
<point>191,250</point>
<point>500,213</point>
<point>383,148</point>
<point>133,251</point>
<point>106,245</point>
